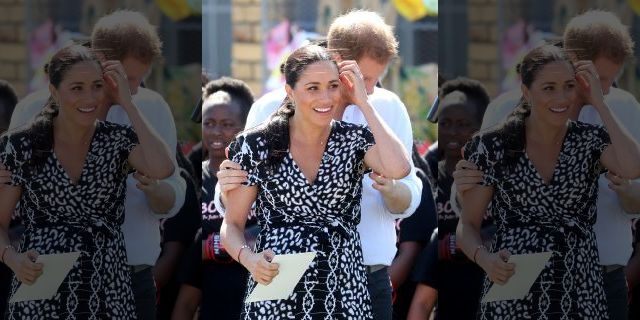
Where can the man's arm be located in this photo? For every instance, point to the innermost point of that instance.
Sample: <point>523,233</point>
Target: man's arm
<point>628,192</point>
<point>158,114</point>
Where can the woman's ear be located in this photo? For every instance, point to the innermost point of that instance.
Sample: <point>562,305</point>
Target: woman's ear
<point>525,93</point>
<point>289,91</point>
<point>54,93</point>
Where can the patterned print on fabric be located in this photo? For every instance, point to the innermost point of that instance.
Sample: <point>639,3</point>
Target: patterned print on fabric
<point>60,216</point>
<point>296,216</point>
<point>532,216</point>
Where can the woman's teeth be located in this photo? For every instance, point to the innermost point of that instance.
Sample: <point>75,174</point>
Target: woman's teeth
<point>87,109</point>
<point>322,110</point>
<point>559,110</point>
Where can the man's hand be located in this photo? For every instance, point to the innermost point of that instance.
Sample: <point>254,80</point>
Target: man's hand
<point>466,176</point>
<point>230,176</point>
<point>382,184</point>
<point>5,175</point>
<point>145,183</point>
<point>396,195</point>
<point>628,192</point>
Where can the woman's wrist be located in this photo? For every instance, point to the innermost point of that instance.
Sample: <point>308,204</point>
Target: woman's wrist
<point>599,105</point>
<point>478,254</point>
<point>242,253</point>
<point>8,253</point>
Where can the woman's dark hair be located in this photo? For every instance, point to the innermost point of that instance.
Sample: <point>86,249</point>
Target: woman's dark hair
<point>41,130</point>
<point>237,89</point>
<point>277,128</point>
<point>513,129</point>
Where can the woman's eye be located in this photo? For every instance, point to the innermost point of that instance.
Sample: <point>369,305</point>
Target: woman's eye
<point>312,88</point>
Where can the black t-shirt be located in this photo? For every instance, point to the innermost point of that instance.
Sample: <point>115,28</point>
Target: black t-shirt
<point>459,280</point>
<point>196,156</point>
<point>180,228</point>
<point>447,217</point>
<point>183,226</point>
<point>418,227</point>
<point>223,284</point>
<point>191,269</point>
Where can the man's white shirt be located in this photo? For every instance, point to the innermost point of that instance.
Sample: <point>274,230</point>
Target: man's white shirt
<point>377,225</point>
<point>141,228</point>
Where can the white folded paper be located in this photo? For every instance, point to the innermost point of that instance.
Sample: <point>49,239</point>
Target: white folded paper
<point>56,268</point>
<point>290,270</point>
<point>528,268</point>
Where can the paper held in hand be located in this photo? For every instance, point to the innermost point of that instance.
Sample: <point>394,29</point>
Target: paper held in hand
<point>56,268</point>
<point>528,268</point>
<point>290,271</point>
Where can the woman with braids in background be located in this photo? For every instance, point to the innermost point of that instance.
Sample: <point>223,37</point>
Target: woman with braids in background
<point>69,174</point>
<point>305,174</point>
<point>541,172</point>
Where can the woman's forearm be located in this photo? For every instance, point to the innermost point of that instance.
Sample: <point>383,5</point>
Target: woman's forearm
<point>627,150</point>
<point>158,162</point>
<point>233,239</point>
<point>468,238</point>
<point>391,152</point>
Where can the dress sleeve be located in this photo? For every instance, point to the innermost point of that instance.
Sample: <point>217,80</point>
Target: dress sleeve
<point>14,154</point>
<point>365,139</point>
<point>126,139</point>
<point>482,151</point>
<point>599,139</point>
<point>244,151</point>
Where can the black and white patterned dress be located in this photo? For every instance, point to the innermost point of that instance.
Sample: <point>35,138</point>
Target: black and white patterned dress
<point>532,217</point>
<point>60,217</point>
<point>296,217</point>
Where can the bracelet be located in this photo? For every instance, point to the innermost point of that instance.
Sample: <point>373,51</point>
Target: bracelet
<point>475,253</point>
<point>4,250</point>
<point>244,246</point>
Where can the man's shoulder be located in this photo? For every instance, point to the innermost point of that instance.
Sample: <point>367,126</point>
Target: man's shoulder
<point>384,95</point>
<point>270,100</point>
<point>145,94</point>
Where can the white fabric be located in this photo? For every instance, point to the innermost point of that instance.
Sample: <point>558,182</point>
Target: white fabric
<point>141,226</point>
<point>377,225</point>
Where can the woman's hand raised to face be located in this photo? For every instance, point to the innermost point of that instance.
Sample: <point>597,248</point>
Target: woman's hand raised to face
<point>115,77</point>
<point>352,79</point>
<point>589,83</point>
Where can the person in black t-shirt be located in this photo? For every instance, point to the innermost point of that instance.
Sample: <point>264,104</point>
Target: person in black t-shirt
<point>222,281</point>
<point>413,234</point>
<point>459,281</point>
<point>177,235</point>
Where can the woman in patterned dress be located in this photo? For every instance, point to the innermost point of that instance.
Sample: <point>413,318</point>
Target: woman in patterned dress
<point>541,172</point>
<point>304,173</point>
<point>69,175</point>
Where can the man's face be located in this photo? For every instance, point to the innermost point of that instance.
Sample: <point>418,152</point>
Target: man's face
<point>372,71</point>
<point>136,72</point>
<point>608,71</point>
